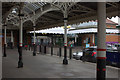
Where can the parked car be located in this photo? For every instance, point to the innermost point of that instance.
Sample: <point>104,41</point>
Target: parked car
<point>117,45</point>
<point>112,47</point>
<point>78,55</point>
<point>89,54</point>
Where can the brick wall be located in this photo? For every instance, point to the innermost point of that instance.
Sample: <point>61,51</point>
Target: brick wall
<point>7,35</point>
<point>113,38</point>
<point>84,36</point>
<point>109,38</point>
<point>29,39</point>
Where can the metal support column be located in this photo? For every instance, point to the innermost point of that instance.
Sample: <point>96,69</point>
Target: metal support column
<point>34,45</point>
<point>20,63</point>
<point>65,61</point>
<point>40,48</point>
<point>60,51</point>
<point>70,53</point>
<point>44,49</point>
<point>93,39</point>
<point>11,39</point>
<point>4,54</point>
<point>75,40</point>
<point>52,46</point>
<point>101,43</point>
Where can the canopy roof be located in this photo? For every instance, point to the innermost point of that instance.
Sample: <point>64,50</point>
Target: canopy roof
<point>93,30</point>
<point>60,30</point>
<point>86,27</point>
<point>48,15</point>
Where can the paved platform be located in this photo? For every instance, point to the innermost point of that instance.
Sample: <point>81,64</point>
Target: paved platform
<point>46,66</point>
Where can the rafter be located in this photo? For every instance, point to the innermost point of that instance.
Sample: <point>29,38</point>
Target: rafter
<point>84,7</point>
<point>47,18</point>
<point>53,15</point>
<point>63,6</point>
<point>113,4</point>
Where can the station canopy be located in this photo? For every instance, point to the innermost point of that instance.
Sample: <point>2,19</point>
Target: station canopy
<point>86,27</point>
<point>50,14</point>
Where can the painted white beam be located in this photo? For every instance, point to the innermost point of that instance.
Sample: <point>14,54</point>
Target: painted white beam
<point>34,36</point>
<point>101,42</point>
<point>5,34</point>
<point>12,36</point>
<point>21,33</point>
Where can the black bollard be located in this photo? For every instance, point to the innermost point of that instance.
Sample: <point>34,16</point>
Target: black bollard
<point>4,55</point>
<point>44,49</point>
<point>39,48</point>
<point>52,47</point>
<point>11,45</point>
<point>70,53</point>
<point>65,61</point>
<point>51,50</point>
<point>34,50</point>
<point>60,52</point>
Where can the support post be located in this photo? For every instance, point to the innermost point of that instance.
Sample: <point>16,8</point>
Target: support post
<point>11,39</point>
<point>65,61</point>
<point>44,49</point>
<point>60,51</point>
<point>75,40</point>
<point>52,46</point>
<point>4,54</point>
<point>52,50</point>
<point>40,48</point>
<point>20,63</point>
<point>34,45</point>
<point>101,42</point>
<point>70,53</point>
<point>93,39</point>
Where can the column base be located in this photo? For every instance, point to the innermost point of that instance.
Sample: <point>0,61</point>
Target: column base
<point>11,45</point>
<point>65,61</point>
<point>34,51</point>
<point>34,54</point>
<point>51,50</point>
<point>70,53</point>
<point>39,48</point>
<point>20,63</point>
<point>60,52</point>
<point>101,69</point>
<point>44,49</point>
<point>4,55</point>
